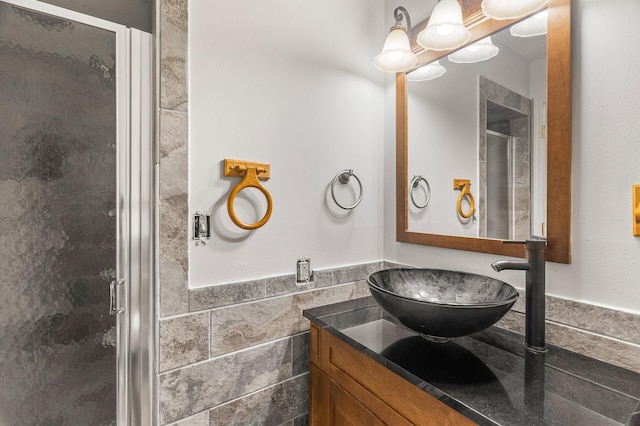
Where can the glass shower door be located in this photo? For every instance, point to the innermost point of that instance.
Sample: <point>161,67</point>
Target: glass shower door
<point>60,218</point>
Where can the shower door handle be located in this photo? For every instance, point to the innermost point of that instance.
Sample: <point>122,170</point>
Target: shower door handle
<point>114,297</point>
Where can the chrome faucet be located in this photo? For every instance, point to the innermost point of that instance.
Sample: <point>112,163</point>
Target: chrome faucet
<point>534,264</point>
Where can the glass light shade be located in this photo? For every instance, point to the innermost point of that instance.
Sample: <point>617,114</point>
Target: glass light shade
<point>530,27</point>
<point>510,9</point>
<point>479,51</point>
<point>445,30</point>
<point>427,72</point>
<point>396,55</point>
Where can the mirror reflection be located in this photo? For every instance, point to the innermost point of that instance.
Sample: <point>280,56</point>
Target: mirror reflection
<point>479,115</point>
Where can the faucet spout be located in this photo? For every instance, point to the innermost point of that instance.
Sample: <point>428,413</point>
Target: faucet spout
<point>520,265</point>
<point>534,265</point>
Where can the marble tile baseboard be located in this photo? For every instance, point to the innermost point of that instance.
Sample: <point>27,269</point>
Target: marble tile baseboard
<point>263,407</point>
<point>591,318</point>
<point>206,385</point>
<point>299,421</point>
<point>200,419</point>
<point>239,326</point>
<point>245,291</point>
<point>270,406</point>
<point>244,314</point>
<point>601,347</point>
<point>195,337</point>
<point>228,294</point>
<point>246,342</point>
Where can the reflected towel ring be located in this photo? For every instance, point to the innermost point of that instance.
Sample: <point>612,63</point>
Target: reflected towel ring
<point>471,205</point>
<point>343,177</point>
<point>250,180</point>
<point>413,185</point>
<point>464,185</point>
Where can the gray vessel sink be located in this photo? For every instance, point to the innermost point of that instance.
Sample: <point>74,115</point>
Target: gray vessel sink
<point>441,304</point>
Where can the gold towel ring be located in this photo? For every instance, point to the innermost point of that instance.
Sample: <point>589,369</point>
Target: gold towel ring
<point>250,180</point>
<point>464,185</point>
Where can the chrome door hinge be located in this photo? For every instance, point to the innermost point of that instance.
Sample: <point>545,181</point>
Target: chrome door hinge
<point>114,297</point>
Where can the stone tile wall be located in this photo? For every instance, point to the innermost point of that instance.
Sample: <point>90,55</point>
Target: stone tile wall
<point>240,354</point>
<point>173,144</point>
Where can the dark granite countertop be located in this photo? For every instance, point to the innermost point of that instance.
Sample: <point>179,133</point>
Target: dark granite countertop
<point>489,376</point>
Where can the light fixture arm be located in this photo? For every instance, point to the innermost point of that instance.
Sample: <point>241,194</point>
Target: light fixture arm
<point>396,55</point>
<point>401,13</point>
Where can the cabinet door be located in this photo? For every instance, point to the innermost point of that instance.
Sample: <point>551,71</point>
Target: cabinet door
<point>345,410</point>
<point>333,406</point>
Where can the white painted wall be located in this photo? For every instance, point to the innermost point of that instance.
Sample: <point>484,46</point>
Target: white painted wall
<point>291,84</point>
<point>538,74</point>
<point>311,104</point>
<point>606,133</point>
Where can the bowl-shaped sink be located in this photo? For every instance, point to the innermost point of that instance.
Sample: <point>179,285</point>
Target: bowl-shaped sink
<point>440,304</point>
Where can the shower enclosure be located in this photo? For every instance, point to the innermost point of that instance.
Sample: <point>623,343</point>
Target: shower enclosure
<point>75,219</point>
<point>504,152</point>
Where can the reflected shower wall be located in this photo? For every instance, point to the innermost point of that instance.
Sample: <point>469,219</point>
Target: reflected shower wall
<point>504,202</point>
<point>498,179</point>
<point>57,221</point>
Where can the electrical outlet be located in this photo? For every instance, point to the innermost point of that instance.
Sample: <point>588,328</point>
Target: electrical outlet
<point>303,270</point>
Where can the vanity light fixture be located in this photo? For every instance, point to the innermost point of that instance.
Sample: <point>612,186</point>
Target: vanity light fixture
<point>396,55</point>
<point>479,51</point>
<point>510,9</point>
<point>445,30</point>
<point>427,72</point>
<point>530,27</point>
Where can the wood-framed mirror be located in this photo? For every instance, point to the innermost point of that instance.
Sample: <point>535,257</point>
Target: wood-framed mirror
<point>557,226</point>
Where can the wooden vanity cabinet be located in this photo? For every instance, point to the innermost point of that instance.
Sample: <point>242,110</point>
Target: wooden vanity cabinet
<point>349,388</point>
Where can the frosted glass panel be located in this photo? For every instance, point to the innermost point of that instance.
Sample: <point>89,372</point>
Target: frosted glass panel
<point>57,220</point>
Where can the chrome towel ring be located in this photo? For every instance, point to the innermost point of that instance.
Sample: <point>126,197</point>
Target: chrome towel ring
<point>343,177</point>
<point>413,185</point>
